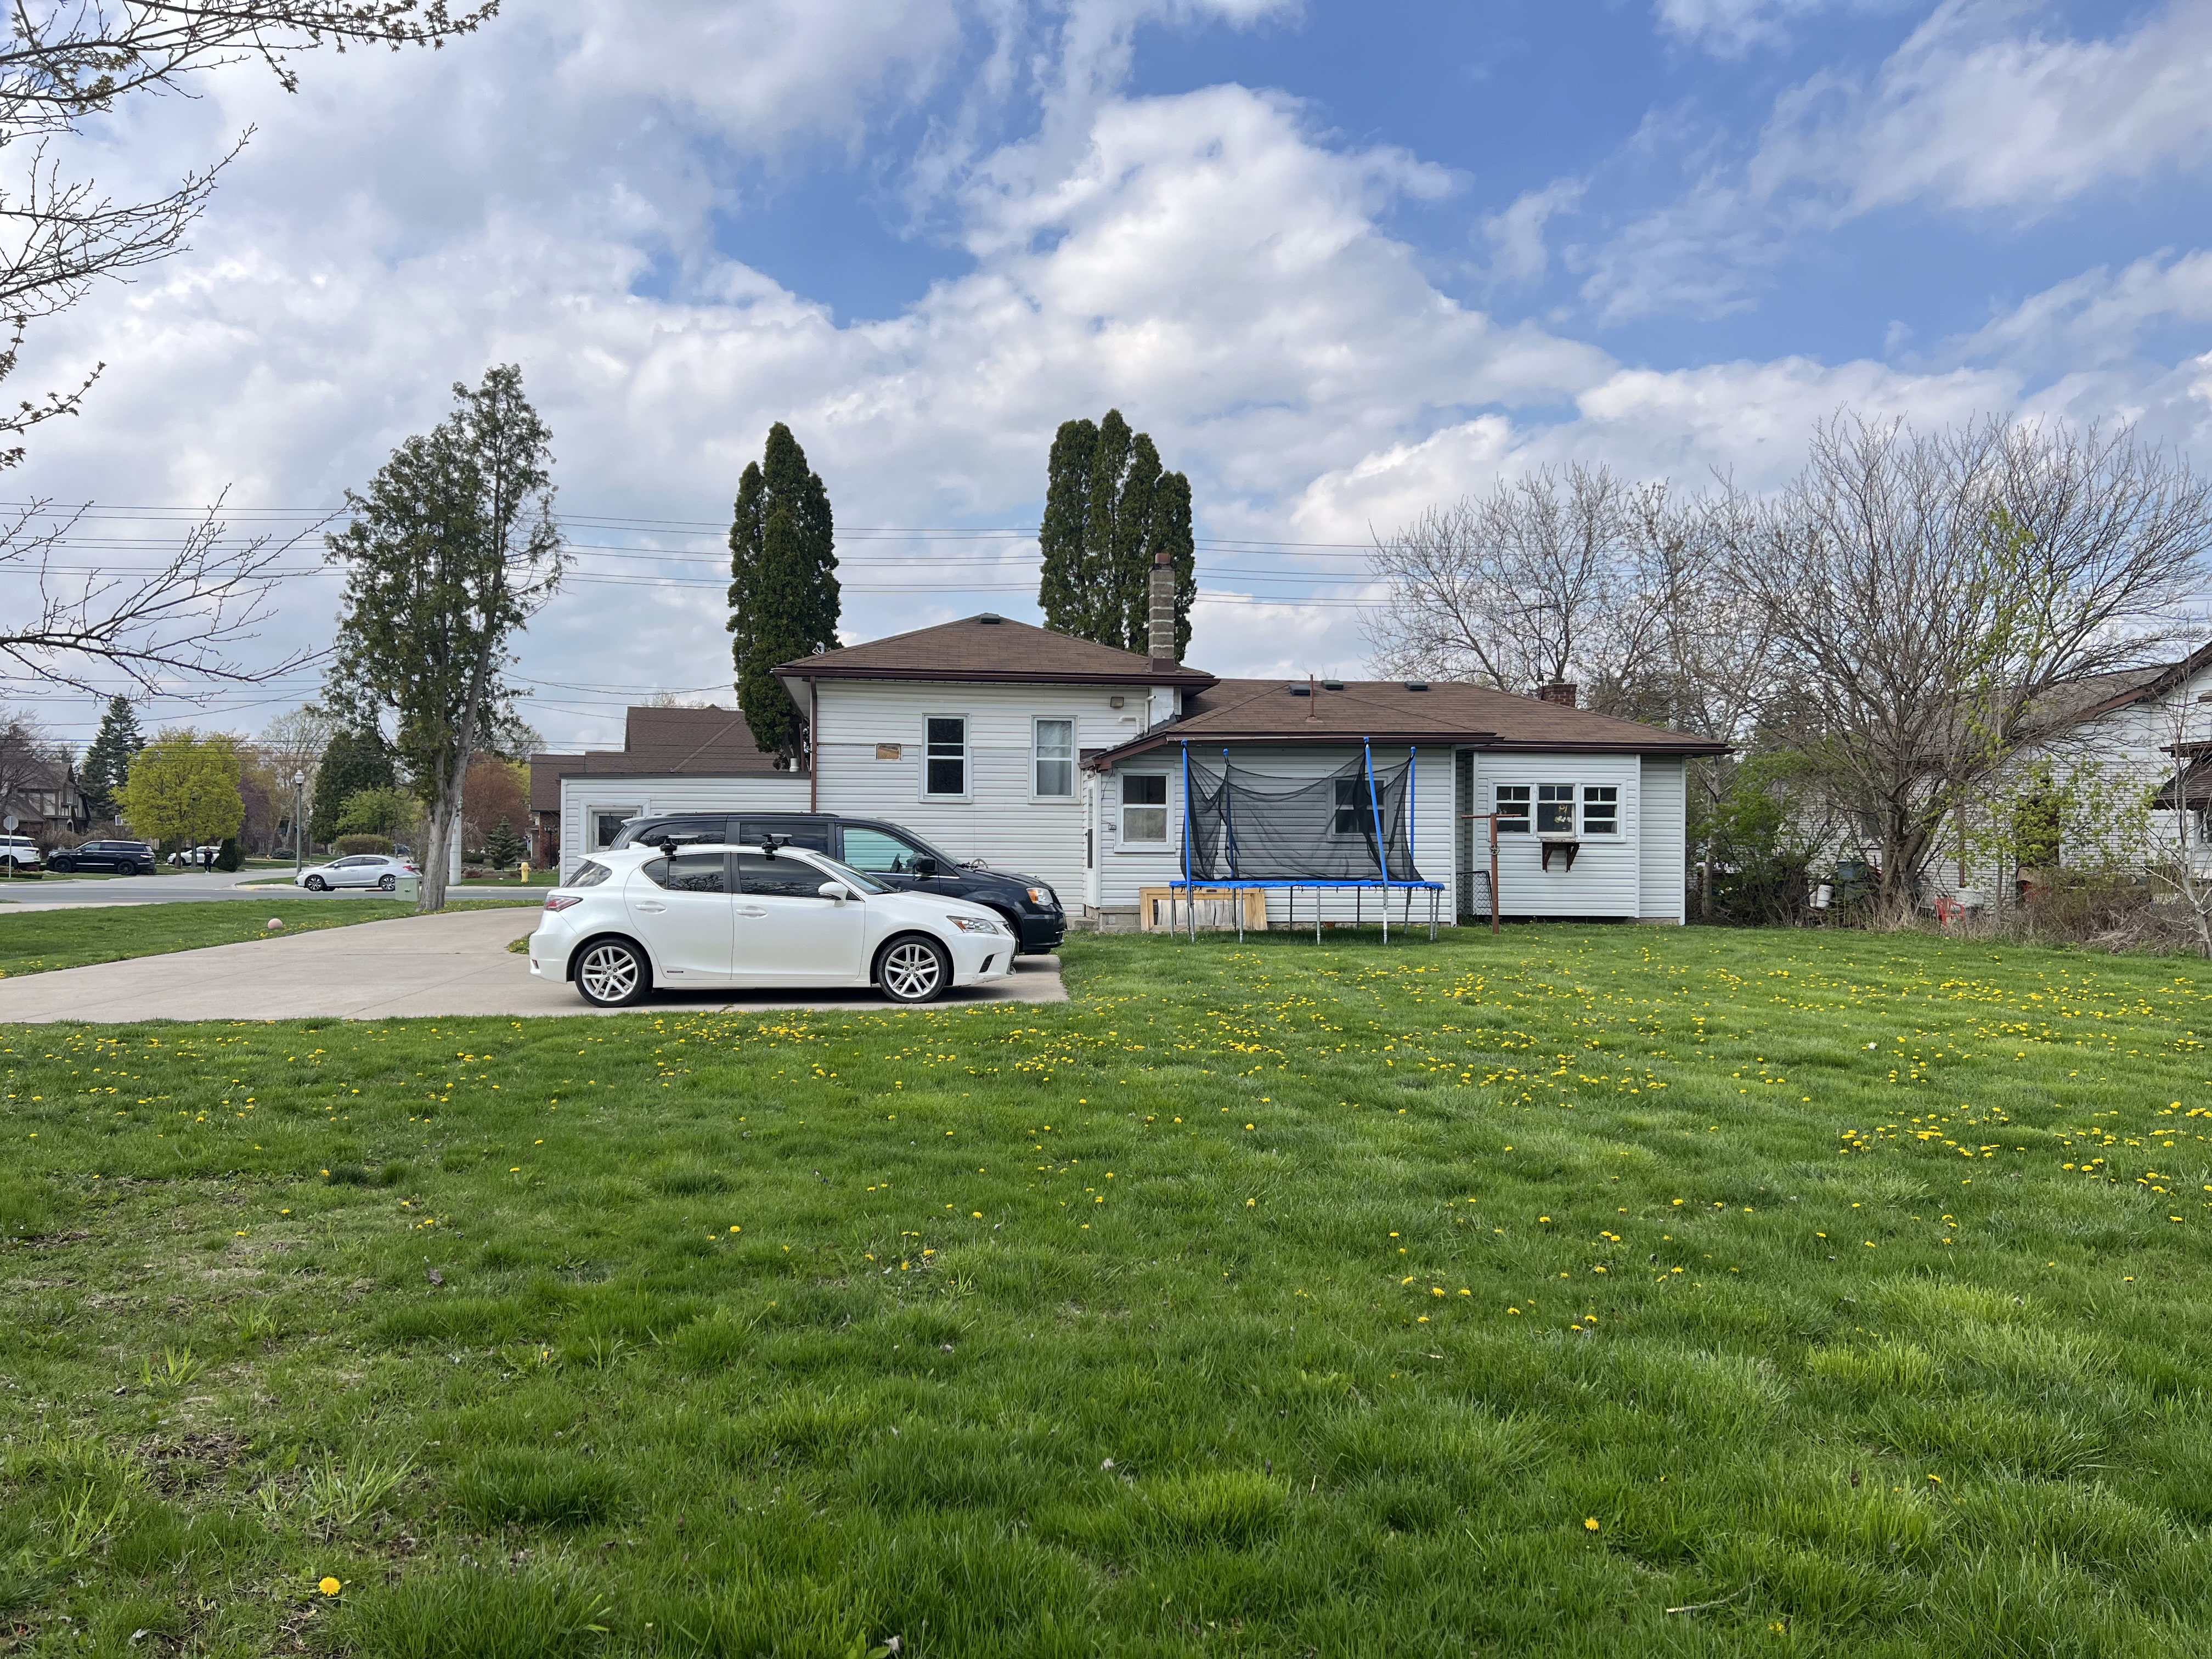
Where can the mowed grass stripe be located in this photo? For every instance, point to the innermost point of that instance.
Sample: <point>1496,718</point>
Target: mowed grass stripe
<point>1262,1299</point>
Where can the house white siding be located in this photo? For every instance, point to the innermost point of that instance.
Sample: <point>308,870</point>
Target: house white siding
<point>1606,880</point>
<point>585,796</point>
<point>1001,819</point>
<point>1662,836</point>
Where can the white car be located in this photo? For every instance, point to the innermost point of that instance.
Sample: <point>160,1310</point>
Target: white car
<point>755,917</point>
<point>357,870</point>
<point>19,851</point>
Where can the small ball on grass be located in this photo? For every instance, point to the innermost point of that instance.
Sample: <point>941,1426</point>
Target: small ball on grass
<point>275,924</point>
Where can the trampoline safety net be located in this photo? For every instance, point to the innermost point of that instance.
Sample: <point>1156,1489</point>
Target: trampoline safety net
<point>1256,826</point>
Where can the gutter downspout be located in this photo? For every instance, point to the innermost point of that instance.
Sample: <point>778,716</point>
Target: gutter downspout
<point>813,745</point>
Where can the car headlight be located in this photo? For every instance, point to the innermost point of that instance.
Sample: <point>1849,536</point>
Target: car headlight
<point>1044,899</point>
<point>974,924</point>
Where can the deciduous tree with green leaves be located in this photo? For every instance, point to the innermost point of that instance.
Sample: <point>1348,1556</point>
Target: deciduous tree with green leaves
<point>183,787</point>
<point>784,595</point>
<point>356,760</point>
<point>1109,510</point>
<point>450,553</point>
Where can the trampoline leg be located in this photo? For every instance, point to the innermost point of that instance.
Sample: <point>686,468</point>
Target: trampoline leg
<point>1386,915</point>
<point>1318,892</point>
<point>1236,898</point>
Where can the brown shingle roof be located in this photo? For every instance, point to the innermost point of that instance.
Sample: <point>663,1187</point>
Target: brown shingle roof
<point>987,648</point>
<point>1266,711</point>
<point>705,743</point>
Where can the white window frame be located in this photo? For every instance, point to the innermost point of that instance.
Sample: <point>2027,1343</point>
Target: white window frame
<point>592,814</point>
<point>1122,841</point>
<point>1362,807</point>
<point>967,758</point>
<point>1572,796</point>
<point>1038,758</point>
<point>1585,827</point>
<point>1524,798</point>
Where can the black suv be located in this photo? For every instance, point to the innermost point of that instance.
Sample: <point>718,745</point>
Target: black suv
<point>127,858</point>
<point>897,857</point>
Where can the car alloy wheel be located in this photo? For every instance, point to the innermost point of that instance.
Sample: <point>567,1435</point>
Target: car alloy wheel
<point>610,973</point>
<point>317,884</point>
<point>914,970</point>
<point>388,885</point>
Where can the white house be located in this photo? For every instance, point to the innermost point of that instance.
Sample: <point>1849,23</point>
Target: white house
<point>1066,760</point>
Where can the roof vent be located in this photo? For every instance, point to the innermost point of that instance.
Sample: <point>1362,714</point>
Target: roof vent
<point>1299,690</point>
<point>1417,685</point>
<point>1331,686</point>
<point>990,616</point>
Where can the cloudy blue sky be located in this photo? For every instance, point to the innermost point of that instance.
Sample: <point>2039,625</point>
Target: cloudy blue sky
<point>1343,260</point>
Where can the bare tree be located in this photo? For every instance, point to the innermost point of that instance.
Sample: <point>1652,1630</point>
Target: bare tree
<point>63,64</point>
<point>185,616</point>
<point>1528,584</point>
<point>33,769</point>
<point>1931,594</point>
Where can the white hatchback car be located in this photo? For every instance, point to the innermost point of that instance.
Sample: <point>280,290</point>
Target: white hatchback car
<point>756,917</point>
<point>378,870</point>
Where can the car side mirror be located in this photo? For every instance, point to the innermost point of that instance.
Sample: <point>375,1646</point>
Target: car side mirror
<point>835,890</point>
<point>924,868</point>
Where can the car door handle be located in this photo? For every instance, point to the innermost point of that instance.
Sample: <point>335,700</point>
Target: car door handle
<point>648,904</point>
<point>750,910</point>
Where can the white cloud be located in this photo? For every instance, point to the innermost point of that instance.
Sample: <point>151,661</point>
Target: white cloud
<point>1980,111</point>
<point>1518,253</point>
<point>1731,28</point>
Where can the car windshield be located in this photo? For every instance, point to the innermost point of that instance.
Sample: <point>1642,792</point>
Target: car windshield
<point>851,878</point>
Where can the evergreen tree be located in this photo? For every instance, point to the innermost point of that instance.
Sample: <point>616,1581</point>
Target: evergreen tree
<point>783,586</point>
<point>107,762</point>
<point>503,847</point>
<point>356,760</point>
<point>1109,507</point>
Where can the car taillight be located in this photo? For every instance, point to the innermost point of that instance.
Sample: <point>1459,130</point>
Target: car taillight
<point>562,901</point>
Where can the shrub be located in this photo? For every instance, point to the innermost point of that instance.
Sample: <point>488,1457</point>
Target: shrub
<point>227,857</point>
<point>346,846</point>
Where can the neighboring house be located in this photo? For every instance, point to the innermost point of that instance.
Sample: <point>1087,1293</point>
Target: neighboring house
<point>672,760</point>
<point>2116,747</point>
<point>39,789</point>
<point>1062,759</point>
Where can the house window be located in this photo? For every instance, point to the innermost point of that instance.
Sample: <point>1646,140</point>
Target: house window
<point>1555,809</point>
<point>1144,809</point>
<point>947,762</point>
<point>1053,759</point>
<point>606,823</point>
<point>1355,808</point>
<point>1601,810</point>
<point>1512,809</point>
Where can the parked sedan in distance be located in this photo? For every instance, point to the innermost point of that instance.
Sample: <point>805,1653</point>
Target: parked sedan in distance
<point>358,870</point>
<point>125,858</point>
<point>643,917</point>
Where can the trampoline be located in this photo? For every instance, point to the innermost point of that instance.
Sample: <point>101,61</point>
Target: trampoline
<point>1349,830</point>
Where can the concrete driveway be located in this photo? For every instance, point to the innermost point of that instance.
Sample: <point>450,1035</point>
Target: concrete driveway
<point>416,967</point>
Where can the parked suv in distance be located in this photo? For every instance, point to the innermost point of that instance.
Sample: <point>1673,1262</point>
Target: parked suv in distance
<point>20,852</point>
<point>127,858</point>
<point>893,855</point>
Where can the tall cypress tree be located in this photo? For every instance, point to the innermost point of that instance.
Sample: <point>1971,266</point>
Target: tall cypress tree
<point>784,595</point>
<point>1110,508</point>
<point>107,764</point>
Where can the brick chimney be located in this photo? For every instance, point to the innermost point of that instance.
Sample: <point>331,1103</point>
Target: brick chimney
<point>1561,692</point>
<point>1163,621</point>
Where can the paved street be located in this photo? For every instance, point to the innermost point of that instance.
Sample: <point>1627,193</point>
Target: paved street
<point>185,887</point>
<point>440,966</point>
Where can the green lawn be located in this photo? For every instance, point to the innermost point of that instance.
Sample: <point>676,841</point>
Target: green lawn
<point>40,940</point>
<point>1590,1291</point>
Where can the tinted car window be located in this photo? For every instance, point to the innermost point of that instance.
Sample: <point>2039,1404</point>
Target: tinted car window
<point>767,877</point>
<point>690,872</point>
<point>878,850</point>
<point>683,831</point>
<point>589,874</point>
<point>813,833</point>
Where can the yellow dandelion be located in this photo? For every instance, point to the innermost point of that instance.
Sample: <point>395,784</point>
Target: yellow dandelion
<point>330,1587</point>
<point>1589,1524</point>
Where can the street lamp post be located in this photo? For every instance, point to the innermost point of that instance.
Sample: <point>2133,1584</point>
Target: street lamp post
<point>299,782</point>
